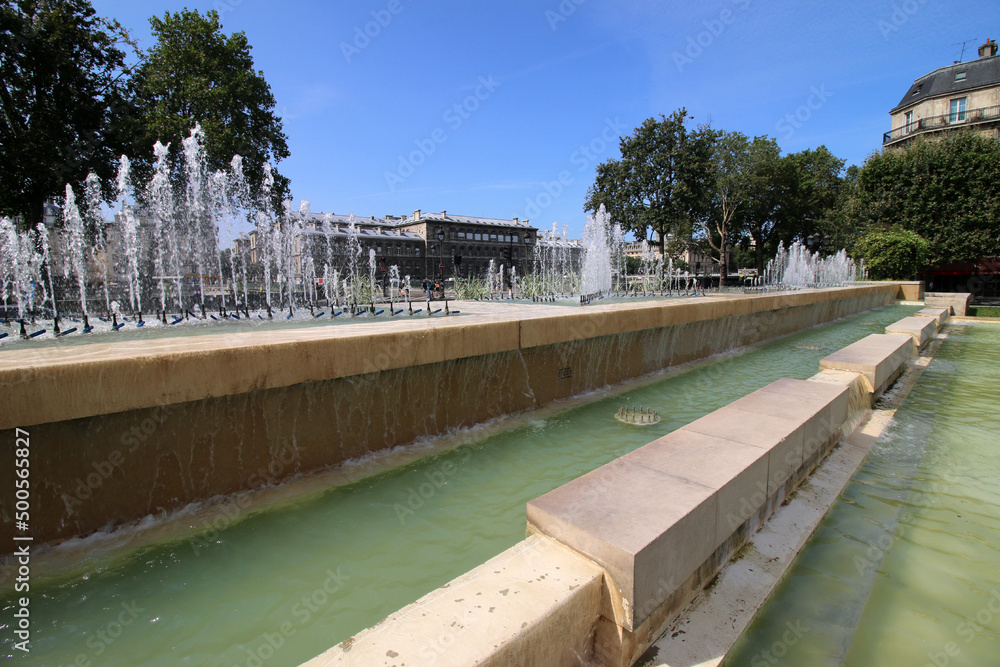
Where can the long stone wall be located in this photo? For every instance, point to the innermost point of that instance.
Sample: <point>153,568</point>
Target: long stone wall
<point>647,531</point>
<point>121,431</point>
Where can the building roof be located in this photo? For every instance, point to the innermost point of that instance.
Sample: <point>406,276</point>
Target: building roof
<point>444,216</point>
<point>393,222</point>
<point>942,82</point>
<point>340,219</point>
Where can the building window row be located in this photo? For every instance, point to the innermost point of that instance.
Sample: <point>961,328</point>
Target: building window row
<point>463,235</point>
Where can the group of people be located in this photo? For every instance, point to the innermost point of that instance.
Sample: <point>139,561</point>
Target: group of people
<point>433,290</point>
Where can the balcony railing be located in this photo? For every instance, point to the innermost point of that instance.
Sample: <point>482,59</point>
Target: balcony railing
<point>951,120</point>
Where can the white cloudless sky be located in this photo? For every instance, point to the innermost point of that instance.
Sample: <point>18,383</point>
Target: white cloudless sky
<point>504,109</point>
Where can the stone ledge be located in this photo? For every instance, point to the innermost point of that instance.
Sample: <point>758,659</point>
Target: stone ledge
<point>957,301</point>
<point>878,357</point>
<point>103,378</point>
<point>921,329</point>
<point>911,291</point>
<point>535,604</point>
<point>659,513</point>
<point>940,315</point>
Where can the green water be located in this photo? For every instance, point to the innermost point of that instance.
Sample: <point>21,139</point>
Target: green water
<point>905,567</point>
<point>280,586</point>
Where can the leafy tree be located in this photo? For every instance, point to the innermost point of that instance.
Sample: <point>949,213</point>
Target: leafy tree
<point>661,183</point>
<point>769,179</point>
<point>62,76</point>
<point>732,170</point>
<point>893,253</point>
<point>789,197</point>
<point>813,187</point>
<point>843,223</point>
<point>945,190</point>
<point>196,74</point>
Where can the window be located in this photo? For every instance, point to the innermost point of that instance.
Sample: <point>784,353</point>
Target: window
<point>960,76</point>
<point>493,237</point>
<point>908,123</point>
<point>479,237</point>
<point>461,236</point>
<point>958,110</point>
<point>514,238</point>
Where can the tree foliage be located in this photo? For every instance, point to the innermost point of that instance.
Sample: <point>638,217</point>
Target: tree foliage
<point>731,170</point>
<point>660,186</point>
<point>196,74</point>
<point>62,77</point>
<point>813,188</point>
<point>768,181</point>
<point>739,192</point>
<point>892,253</point>
<point>947,191</point>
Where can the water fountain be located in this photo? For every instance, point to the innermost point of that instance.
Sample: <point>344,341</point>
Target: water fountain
<point>798,268</point>
<point>355,530</point>
<point>596,274</point>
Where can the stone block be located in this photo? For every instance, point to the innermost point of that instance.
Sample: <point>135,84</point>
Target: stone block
<point>823,406</point>
<point>921,329</point>
<point>648,529</point>
<point>878,357</point>
<point>781,437</point>
<point>738,471</point>
<point>940,315</point>
<point>911,291</point>
<point>957,301</point>
<point>535,604</point>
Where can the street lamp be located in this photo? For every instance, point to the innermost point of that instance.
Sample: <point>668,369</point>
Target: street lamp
<point>826,239</point>
<point>816,243</point>
<point>440,238</point>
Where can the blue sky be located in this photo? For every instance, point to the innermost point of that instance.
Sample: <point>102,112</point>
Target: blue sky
<point>504,109</point>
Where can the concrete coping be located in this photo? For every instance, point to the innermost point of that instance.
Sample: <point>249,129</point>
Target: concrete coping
<point>654,516</point>
<point>878,357</point>
<point>109,377</point>
<point>921,329</point>
<point>958,302</point>
<point>940,315</point>
<point>536,603</point>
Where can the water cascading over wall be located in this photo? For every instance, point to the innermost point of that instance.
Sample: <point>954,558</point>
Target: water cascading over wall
<point>120,438</point>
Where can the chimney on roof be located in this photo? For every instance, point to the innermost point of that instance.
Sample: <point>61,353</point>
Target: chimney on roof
<point>416,214</point>
<point>444,214</point>
<point>988,50</point>
<point>515,221</point>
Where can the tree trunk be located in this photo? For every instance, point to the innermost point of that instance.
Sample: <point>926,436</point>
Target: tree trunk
<point>724,261</point>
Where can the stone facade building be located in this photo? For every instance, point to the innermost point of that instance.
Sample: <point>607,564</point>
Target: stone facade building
<point>422,245</point>
<point>960,96</point>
